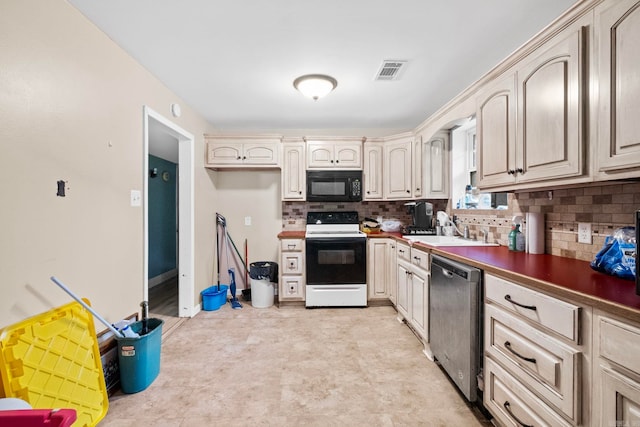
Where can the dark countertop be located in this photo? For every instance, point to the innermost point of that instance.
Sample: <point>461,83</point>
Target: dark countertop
<point>565,277</point>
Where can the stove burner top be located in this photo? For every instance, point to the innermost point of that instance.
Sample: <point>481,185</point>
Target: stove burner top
<point>419,231</point>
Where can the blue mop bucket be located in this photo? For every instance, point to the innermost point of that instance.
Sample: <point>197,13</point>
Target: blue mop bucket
<point>213,299</point>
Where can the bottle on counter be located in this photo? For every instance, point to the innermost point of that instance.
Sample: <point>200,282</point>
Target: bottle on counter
<point>516,238</point>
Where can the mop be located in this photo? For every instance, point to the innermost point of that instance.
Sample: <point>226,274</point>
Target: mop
<point>235,304</point>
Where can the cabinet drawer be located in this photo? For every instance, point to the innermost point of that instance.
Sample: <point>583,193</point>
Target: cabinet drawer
<point>541,362</point>
<point>620,343</point>
<point>512,404</point>
<point>291,244</point>
<point>420,259</point>
<point>292,263</point>
<point>404,252</point>
<point>292,287</point>
<point>558,316</point>
<point>621,400</point>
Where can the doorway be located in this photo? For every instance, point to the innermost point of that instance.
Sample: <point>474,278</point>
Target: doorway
<point>166,140</point>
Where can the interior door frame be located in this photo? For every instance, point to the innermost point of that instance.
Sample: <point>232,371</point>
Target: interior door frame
<point>186,229</point>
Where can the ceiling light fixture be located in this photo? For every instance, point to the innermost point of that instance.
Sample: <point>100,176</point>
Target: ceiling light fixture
<point>315,86</point>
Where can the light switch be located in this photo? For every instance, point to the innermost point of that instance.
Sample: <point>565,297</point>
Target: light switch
<point>136,198</point>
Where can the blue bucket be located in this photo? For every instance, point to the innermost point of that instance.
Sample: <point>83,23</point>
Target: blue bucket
<point>213,299</point>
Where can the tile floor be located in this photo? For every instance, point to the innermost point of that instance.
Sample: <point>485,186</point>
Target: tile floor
<point>294,367</point>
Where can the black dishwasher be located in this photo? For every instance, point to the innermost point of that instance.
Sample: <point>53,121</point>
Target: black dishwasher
<point>455,324</point>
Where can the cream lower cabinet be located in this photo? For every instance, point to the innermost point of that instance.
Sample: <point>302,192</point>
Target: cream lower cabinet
<point>536,364</point>
<point>380,252</point>
<point>413,278</point>
<point>616,371</point>
<point>292,270</point>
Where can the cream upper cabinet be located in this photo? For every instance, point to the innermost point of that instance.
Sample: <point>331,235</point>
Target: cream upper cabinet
<point>322,154</point>
<point>496,132</point>
<point>372,172</point>
<point>397,169</point>
<point>617,25</point>
<point>293,171</point>
<point>417,172</point>
<point>436,173</point>
<point>547,89</point>
<point>242,151</point>
<point>550,99</point>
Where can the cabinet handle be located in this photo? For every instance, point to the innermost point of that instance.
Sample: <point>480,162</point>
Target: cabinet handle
<point>368,192</point>
<point>511,172</point>
<point>331,161</point>
<point>417,189</point>
<point>408,191</point>
<point>400,251</point>
<point>417,258</point>
<point>528,307</point>
<point>244,157</point>
<point>507,406</point>
<point>337,161</point>
<point>291,246</point>
<point>520,170</point>
<point>238,158</point>
<point>507,345</point>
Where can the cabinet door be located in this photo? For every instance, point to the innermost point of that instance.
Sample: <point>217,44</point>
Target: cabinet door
<point>397,170</point>
<point>348,155</point>
<point>372,173</point>
<point>550,138</point>
<point>393,272</point>
<point>260,154</point>
<point>496,132</point>
<point>293,172</point>
<point>291,288</point>
<point>292,263</point>
<point>618,58</point>
<point>404,283</point>
<point>620,400</point>
<point>418,300</point>
<point>377,268</point>
<point>417,171</point>
<point>320,154</point>
<point>224,154</point>
<point>437,167</point>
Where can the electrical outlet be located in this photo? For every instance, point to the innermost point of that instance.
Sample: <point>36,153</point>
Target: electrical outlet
<point>584,233</point>
<point>247,220</point>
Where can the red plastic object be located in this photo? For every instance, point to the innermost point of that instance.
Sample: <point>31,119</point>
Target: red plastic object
<point>38,418</point>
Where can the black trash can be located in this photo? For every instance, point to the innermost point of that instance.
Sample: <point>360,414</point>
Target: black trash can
<point>264,275</point>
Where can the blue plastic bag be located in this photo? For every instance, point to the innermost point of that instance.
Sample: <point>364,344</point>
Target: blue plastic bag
<point>618,255</point>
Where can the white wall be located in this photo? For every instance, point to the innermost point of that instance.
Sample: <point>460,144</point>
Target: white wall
<point>71,109</point>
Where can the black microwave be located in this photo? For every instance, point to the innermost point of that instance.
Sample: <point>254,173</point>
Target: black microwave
<point>334,186</point>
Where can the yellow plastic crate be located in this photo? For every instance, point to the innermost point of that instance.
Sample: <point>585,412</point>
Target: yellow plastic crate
<point>52,360</point>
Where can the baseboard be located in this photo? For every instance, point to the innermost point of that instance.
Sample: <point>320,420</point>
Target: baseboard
<point>160,278</point>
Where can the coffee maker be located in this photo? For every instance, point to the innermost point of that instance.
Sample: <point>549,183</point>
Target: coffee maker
<point>421,217</point>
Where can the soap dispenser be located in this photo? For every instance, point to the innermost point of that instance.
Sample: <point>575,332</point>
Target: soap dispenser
<point>516,238</point>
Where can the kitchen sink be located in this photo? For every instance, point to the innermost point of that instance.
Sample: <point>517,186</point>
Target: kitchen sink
<point>447,241</point>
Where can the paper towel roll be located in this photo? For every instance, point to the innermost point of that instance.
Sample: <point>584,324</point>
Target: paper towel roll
<point>535,232</point>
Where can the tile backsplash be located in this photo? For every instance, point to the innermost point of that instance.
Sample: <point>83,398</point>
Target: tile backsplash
<point>606,207</point>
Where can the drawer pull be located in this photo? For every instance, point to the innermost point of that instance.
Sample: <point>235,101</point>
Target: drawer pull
<point>291,246</point>
<point>528,307</point>
<point>507,345</point>
<point>507,406</point>
<point>417,258</point>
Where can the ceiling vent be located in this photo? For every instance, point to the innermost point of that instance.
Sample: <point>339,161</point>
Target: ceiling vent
<point>390,70</point>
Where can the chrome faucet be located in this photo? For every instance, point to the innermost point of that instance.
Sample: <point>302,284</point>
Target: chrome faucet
<point>485,235</point>
<point>465,232</point>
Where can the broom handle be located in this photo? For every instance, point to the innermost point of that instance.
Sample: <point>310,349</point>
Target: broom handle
<point>91,310</point>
